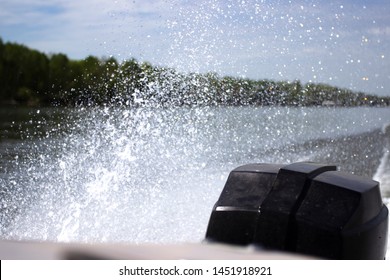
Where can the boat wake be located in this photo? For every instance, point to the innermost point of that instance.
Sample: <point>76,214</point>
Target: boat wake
<point>382,174</point>
<point>153,175</point>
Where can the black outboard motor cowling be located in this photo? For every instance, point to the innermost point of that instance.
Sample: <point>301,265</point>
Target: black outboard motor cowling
<point>304,207</point>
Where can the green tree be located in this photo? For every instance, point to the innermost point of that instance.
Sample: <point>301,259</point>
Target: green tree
<point>30,77</point>
<point>2,75</point>
<point>129,75</point>
<point>109,79</point>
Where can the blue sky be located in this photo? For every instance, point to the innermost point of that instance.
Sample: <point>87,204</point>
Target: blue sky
<point>343,43</point>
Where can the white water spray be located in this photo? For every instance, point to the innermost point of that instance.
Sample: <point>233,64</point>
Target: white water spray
<point>382,175</point>
<point>153,175</point>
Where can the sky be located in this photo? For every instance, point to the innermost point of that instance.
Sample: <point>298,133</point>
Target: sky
<point>342,43</point>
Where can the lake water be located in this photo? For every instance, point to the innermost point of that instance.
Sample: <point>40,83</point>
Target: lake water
<point>153,174</point>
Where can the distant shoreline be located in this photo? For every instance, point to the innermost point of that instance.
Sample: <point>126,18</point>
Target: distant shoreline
<point>32,78</point>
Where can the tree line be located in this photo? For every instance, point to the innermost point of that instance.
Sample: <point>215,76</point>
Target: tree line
<point>29,77</point>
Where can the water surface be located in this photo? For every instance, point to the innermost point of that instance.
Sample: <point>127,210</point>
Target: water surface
<point>153,174</point>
